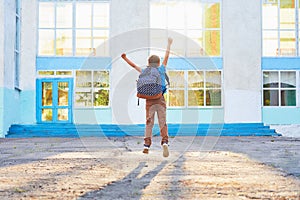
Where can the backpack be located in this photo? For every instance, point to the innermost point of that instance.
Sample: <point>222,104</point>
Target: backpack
<point>149,84</point>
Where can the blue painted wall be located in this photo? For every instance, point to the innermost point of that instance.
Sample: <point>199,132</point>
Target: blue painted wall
<point>196,116</point>
<point>16,107</point>
<point>92,116</point>
<point>28,108</point>
<point>10,110</point>
<point>281,115</point>
<point>1,112</point>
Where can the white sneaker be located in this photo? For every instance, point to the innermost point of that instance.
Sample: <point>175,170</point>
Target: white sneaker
<point>165,149</point>
<point>146,150</point>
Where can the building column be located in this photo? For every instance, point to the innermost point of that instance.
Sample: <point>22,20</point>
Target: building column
<point>130,34</point>
<point>28,61</point>
<point>242,60</point>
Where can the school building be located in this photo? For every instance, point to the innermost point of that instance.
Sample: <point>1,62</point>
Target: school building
<point>234,63</point>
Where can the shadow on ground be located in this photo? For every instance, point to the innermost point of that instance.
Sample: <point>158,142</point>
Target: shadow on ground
<point>130,187</point>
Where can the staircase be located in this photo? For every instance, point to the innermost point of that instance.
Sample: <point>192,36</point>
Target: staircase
<point>113,130</point>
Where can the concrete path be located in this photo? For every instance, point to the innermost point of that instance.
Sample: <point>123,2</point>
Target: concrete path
<point>115,168</point>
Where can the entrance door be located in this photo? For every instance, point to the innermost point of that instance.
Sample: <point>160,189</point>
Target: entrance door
<point>54,100</point>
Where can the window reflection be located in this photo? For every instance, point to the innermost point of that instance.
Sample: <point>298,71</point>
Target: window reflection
<point>46,42</point>
<point>101,15</point>
<point>287,14</point>
<point>57,22</point>
<point>196,97</point>
<point>92,88</point>
<point>270,43</point>
<point>47,90</point>
<point>271,98</point>
<point>47,115</point>
<point>63,91</point>
<point>83,42</point>
<point>279,28</point>
<point>176,98</point>
<point>212,15</point>
<point>279,88</point>
<point>63,114</point>
<point>202,88</point>
<point>46,15</point>
<point>64,15</point>
<point>200,21</point>
<point>287,43</point>
<point>63,42</point>
<point>83,15</point>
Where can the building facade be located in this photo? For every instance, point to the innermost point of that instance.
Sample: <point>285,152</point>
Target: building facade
<point>231,61</point>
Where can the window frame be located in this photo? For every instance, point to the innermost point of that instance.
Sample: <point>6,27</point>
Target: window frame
<point>279,30</point>
<point>186,30</point>
<point>55,75</point>
<point>92,90</point>
<point>186,90</point>
<point>279,88</point>
<point>73,29</point>
<point>206,89</point>
<point>17,47</point>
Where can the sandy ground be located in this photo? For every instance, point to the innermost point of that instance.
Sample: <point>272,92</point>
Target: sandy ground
<point>115,168</point>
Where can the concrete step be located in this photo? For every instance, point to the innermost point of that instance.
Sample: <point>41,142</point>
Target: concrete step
<point>113,130</point>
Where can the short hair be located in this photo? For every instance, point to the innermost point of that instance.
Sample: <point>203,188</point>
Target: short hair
<point>154,60</point>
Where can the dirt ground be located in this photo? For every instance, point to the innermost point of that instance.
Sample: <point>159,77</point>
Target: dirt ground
<point>115,168</point>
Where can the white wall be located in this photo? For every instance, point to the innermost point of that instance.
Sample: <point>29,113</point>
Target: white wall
<point>242,60</point>
<point>1,44</point>
<point>28,61</point>
<point>10,99</point>
<point>28,44</point>
<point>9,44</point>
<point>128,20</point>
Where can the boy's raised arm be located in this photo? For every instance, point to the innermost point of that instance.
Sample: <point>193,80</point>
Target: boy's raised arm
<point>131,63</point>
<point>165,61</point>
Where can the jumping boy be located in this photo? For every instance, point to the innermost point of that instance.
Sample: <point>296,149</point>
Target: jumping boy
<point>155,105</point>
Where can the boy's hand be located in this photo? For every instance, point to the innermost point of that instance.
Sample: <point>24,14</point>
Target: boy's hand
<point>123,55</point>
<point>170,40</point>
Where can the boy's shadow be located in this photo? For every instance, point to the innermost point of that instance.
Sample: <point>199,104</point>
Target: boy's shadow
<point>130,187</point>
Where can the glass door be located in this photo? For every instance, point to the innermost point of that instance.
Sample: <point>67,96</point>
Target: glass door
<point>54,100</point>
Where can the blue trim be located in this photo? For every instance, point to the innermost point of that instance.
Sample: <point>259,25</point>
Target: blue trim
<point>280,63</point>
<point>69,63</point>
<point>54,106</point>
<point>200,63</point>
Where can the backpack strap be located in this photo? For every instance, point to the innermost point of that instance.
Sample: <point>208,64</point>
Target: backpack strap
<point>167,78</point>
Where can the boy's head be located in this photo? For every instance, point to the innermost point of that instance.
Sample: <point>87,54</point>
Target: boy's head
<point>154,61</point>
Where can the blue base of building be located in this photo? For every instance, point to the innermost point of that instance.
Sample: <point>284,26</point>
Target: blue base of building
<point>112,130</point>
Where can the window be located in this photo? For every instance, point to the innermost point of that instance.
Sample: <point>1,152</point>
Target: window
<point>280,27</point>
<point>52,73</point>
<point>279,88</point>
<point>63,31</point>
<point>198,21</point>
<point>176,89</point>
<point>92,88</point>
<point>17,42</point>
<point>194,89</point>
<point>204,88</point>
